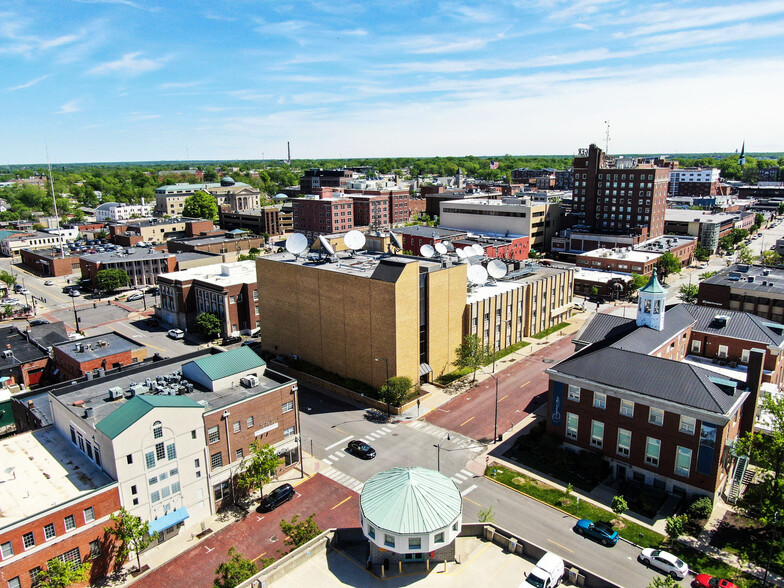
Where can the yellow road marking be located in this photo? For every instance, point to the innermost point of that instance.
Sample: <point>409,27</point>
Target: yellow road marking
<point>468,421</point>
<point>341,502</point>
<point>342,431</point>
<point>500,399</point>
<point>528,382</point>
<point>259,557</point>
<point>471,501</point>
<point>561,546</point>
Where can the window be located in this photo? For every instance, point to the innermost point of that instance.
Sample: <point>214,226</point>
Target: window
<point>171,451</point>
<point>165,492</point>
<point>238,453</point>
<point>7,549</point>
<point>249,422</point>
<point>49,532</point>
<point>34,573</point>
<point>656,416</point>
<point>288,406</point>
<point>174,472</point>
<point>70,523</point>
<point>15,583</point>
<point>216,460</point>
<point>95,548</point>
<point>744,356</point>
<point>723,350</point>
<point>157,430</point>
<point>160,452</point>
<point>89,514</point>
<point>133,489</point>
<point>28,540</point>
<point>72,556</point>
<point>652,449</point>
<point>288,431</point>
<point>572,421</point>
<point>196,463</point>
<point>129,459</point>
<point>683,461</point>
<point>688,424</point>
<point>371,531</point>
<point>237,427</point>
<point>152,481</point>
<point>599,400</point>
<point>155,496</point>
<point>193,434</point>
<point>573,393</point>
<point>415,542</point>
<point>213,434</point>
<point>696,346</point>
<point>389,540</point>
<point>597,433</point>
<point>439,538</point>
<point>624,442</point>
<point>221,490</point>
<point>627,408</point>
<point>149,457</point>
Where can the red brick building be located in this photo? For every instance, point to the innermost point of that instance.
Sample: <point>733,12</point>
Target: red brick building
<point>312,179</point>
<point>101,352</point>
<point>370,210</point>
<point>66,519</point>
<point>321,217</point>
<point>141,264</point>
<point>22,361</point>
<point>516,248</point>
<point>48,263</point>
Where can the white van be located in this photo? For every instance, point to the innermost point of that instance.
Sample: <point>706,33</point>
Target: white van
<point>548,572</point>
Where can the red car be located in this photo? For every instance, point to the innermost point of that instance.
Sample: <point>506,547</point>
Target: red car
<point>708,581</point>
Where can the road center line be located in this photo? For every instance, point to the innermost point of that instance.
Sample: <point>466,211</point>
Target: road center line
<point>561,546</point>
<point>472,501</point>
<point>341,502</point>
<point>328,447</point>
<point>468,421</point>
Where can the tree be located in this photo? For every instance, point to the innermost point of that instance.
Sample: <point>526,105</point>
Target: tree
<point>706,275</point>
<point>668,264</point>
<point>109,280</point>
<point>771,258</point>
<point>663,582</point>
<point>201,205</point>
<point>675,526</point>
<point>532,254</point>
<point>637,282</point>
<point>619,505</point>
<point>60,574</point>
<point>259,467</point>
<point>688,292</point>
<point>208,325</point>
<point>701,253</point>
<point>234,571</point>
<point>738,235</point>
<point>472,354</point>
<point>132,533</point>
<point>744,255</point>
<point>767,450</point>
<point>299,533</point>
<point>395,390</point>
<point>486,515</point>
<point>759,218</point>
<point>7,278</point>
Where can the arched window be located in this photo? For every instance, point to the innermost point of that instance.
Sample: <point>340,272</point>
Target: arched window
<point>157,429</point>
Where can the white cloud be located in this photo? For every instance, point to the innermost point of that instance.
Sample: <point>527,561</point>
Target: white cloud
<point>583,26</point>
<point>123,2</point>
<point>142,116</point>
<point>429,45</point>
<point>28,84</point>
<point>711,36</point>
<point>130,64</point>
<point>70,107</point>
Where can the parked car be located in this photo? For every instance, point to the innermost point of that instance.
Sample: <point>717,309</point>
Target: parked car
<point>48,283</point>
<point>9,301</point>
<point>600,531</point>
<point>152,290</point>
<point>665,562</point>
<point>708,581</point>
<point>134,297</point>
<point>36,322</point>
<point>360,449</point>
<point>176,333</point>
<point>278,496</point>
<point>545,262</point>
<point>231,340</point>
<point>74,293</point>
<point>23,292</point>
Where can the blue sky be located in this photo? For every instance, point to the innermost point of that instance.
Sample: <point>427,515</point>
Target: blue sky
<point>127,80</point>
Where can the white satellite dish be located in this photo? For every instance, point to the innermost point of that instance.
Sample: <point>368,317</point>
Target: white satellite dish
<point>460,253</point>
<point>448,245</point>
<point>297,243</point>
<point>354,240</point>
<point>427,251</point>
<point>395,240</point>
<point>469,251</point>
<point>441,248</point>
<point>496,268</point>
<point>326,245</point>
<point>478,249</point>
<point>477,274</point>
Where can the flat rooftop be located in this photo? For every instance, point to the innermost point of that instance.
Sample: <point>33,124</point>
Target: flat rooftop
<point>599,276</point>
<point>425,231</point>
<point>51,253</point>
<point>136,253</point>
<point>362,263</point>
<point>42,469</point>
<point>528,275</point>
<point>737,276</point>
<point>221,274</point>
<point>623,254</point>
<point>696,216</point>
<point>662,244</point>
<point>96,394</point>
<point>97,347</point>
<point>214,239</point>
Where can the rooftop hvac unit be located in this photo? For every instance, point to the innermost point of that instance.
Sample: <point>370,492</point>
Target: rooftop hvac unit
<point>115,393</point>
<point>8,353</point>
<point>250,381</point>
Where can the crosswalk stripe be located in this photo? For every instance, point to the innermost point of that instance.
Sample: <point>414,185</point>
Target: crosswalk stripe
<point>374,435</point>
<point>467,474</point>
<point>326,460</point>
<point>385,429</point>
<point>337,455</point>
<point>459,477</point>
<point>379,432</point>
<point>363,440</point>
<point>467,490</point>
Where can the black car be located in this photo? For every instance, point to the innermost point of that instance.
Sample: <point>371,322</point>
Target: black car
<point>231,340</point>
<point>36,322</point>
<point>361,449</point>
<point>152,290</point>
<point>278,496</point>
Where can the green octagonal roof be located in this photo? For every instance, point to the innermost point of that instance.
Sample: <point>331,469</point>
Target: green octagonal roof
<point>410,500</point>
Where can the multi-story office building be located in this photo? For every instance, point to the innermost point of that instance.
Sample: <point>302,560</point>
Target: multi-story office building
<point>322,216</point>
<point>261,221</point>
<point>313,179</point>
<point>749,288</point>
<point>140,263</point>
<point>115,211</point>
<point>371,210</point>
<point>694,181</point>
<point>238,196</point>
<point>707,227</point>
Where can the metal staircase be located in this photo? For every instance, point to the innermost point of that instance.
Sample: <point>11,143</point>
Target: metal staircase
<point>739,478</point>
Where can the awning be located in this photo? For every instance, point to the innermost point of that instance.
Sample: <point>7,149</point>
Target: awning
<point>168,520</point>
<point>424,368</point>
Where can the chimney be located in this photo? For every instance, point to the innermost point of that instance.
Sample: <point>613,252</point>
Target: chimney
<point>754,383</point>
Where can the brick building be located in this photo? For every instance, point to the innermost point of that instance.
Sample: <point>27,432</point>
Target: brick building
<point>158,230</point>
<point>227,290</point>
<point>398,203</point>
<point>92,354</point>
<point>694,181</point>
<point>22,360</point>
<point>49,263</point>
<point>371,210</point>
<point>72,502</point>
<point>313,179</point>
<point>261,221</point>
<point>228,246</point>
<point>323,216</point>
<point>140,263</point>
<point>748,288</point>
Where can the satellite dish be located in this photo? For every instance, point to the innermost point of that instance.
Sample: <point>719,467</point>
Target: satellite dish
<point>478,249</point>
<point>441,248</point>
<point>496,268</point>
<point>395,240</point>
<point>477,275</point>
<point>448,245</point>
<point>427,251</point>
<point>326,245</point>
<point>460,253</point>
<point>354,240</point>
<point>297,243</point>
<point>469,251</point>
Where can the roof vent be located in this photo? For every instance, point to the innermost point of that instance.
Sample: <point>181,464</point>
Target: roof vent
<point>766,272</point>
<point>750,279</point>
<point>720,321</point>
<point>115,393</point>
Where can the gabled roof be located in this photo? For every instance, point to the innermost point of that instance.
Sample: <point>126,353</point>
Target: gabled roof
<point>138,406</point>
<point>646,340</point>
<point>410,500</point>
<point>741,325</point>
<point>651,376</point>
<point>228,363</point>
<point>604,326</point>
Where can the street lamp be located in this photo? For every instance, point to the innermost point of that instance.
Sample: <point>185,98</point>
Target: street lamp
<point>447,438</point>
<point>386,363</point>
<point>772,543</point>
<point>495,425</point>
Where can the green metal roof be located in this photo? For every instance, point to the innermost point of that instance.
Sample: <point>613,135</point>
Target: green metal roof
<point>229,363</point>
<point>6,234</point>
<point>137,407</point>
<point>410,500</point>
<point>653,286</point>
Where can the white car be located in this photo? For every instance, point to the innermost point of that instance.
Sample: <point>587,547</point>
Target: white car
<point>48,283</point>
<point>664,562</point>
<point>9,301</point>
<point>176,333</point>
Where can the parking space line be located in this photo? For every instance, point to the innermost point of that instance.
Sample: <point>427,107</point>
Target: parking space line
<point>468,421</point>
<point>328,447</point>
<point>341,502</point>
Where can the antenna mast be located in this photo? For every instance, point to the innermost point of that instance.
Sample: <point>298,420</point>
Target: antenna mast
<point>607,138</point>
<point>54,201</point>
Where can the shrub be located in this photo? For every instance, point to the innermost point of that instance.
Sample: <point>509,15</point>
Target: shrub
<point>701,508</point>
<point>675,526</point>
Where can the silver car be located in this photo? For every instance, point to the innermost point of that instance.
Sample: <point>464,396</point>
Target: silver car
<point>664,561</point>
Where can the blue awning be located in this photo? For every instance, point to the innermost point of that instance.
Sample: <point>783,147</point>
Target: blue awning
<point>168,520</point>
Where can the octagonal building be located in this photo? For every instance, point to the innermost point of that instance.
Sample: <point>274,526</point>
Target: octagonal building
<point>410,514</point>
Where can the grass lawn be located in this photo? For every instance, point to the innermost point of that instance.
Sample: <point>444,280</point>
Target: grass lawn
<point>555,497</point>
<point>553,329</point>
<point>749,540</point>
<point>447,379</point>
<point>704,564</point>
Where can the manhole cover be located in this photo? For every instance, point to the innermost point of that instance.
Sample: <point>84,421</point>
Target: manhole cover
<point>273,539</point>
<point>548,360</point>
